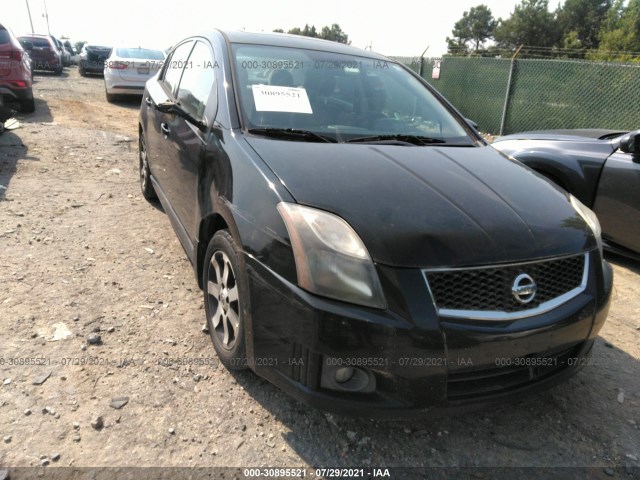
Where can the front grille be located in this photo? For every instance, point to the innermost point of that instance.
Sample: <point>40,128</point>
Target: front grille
<point>520,372</point>
<point>490,289</point>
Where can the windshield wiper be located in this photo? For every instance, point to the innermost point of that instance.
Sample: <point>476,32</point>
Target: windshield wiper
<point>292,133</point>
<point>398,138</point>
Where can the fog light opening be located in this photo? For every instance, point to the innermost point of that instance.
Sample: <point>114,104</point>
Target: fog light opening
<point>347,379</point>
<point>344,374</point>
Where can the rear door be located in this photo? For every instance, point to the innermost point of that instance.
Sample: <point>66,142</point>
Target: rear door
<point>617,201</point>
<point>158,123</point>
<point>196,94</point>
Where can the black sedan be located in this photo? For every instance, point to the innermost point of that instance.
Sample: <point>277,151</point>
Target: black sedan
<point>92,59</point>
<point>599,167</point>
<point>357,242</point>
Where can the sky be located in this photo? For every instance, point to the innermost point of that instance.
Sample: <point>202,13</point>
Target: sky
<point>405,28</point>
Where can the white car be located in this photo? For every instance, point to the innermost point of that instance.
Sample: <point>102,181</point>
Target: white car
<point>127,70</point>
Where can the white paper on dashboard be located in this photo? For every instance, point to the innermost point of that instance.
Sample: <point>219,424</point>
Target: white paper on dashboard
<point>272,98</point>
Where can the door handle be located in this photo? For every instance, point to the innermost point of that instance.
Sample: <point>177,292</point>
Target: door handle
<point>165,128</point>
<point>148,100</point>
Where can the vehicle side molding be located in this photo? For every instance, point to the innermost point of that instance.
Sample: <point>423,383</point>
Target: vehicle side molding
<point>630,143</point>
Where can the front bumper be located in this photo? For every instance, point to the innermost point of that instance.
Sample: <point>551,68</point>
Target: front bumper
<point>91,65</point>
<point>419,362</point>
<point>46,65</point>
<point>120,89</point>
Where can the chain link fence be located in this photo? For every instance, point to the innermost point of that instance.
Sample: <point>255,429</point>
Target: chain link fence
<point>536,94</point>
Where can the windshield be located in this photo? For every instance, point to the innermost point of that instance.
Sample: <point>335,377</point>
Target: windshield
<point>142,53</point>
<point>339,96</point>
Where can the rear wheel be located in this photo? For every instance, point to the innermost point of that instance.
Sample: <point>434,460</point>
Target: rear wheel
<point>58,71</point>
<point>226,299</point>
<point>145,173</point>
<point>27,105</point>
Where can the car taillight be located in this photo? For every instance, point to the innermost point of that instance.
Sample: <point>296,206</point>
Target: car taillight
<point>16,55</point>
<point>118,65</point>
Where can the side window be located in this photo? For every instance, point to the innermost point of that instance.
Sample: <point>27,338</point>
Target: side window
<point>197,80</point>
<point>175,65</point>
<point>4,36</point>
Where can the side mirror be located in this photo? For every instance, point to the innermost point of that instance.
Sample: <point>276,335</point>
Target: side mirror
<point>630,143</point>
<point>167,107</point>
<point>471,123</point>
<point>174,108</point>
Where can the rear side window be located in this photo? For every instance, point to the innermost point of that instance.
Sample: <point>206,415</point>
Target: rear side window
<point>197,80</point>
<point>4,37</point>
<point>175,65</point>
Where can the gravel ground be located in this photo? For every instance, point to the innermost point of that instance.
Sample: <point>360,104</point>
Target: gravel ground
<point>97,294</point>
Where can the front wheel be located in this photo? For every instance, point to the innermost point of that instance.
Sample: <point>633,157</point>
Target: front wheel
<point>226,299</point>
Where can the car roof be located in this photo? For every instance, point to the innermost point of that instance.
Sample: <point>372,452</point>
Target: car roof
<point>37,35</point>
<point>296,41</point>
<point>586,134</point>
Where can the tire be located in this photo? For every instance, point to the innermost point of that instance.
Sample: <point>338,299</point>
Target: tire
<point>58,72</point>
<point>145,172</point>
<point>226,299</point>
<point>81,70</point>
<point>110,96</point>
<point>27,105</point>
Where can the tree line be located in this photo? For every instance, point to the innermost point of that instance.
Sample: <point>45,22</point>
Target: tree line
<point>333,33</point>
<point>592,29</point>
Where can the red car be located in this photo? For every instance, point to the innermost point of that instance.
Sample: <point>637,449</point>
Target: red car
<point>44,52</point>
<point>15,71</point>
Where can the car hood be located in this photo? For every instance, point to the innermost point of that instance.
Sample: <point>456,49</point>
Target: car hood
<point>431,206</point>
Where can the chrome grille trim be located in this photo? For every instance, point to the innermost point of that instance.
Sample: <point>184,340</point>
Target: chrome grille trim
<point>501,316</point>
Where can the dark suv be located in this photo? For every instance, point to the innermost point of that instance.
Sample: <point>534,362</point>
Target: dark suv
<point>15,71</point>
<point>92,59</point>
<point>44,53</point>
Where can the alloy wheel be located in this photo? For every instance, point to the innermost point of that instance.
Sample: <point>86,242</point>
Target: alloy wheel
<point>223,300</point>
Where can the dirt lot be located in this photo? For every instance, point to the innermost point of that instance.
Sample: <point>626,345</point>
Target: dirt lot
<point>82,253</point>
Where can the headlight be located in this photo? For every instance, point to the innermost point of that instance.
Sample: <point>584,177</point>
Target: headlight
<point>331,260</point>
<point>588,216</point>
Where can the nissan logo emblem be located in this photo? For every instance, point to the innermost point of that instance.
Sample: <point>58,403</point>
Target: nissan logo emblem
<point>524,288</point>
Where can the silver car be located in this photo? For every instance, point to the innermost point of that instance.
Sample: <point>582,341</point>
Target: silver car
<point>127,70</point>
